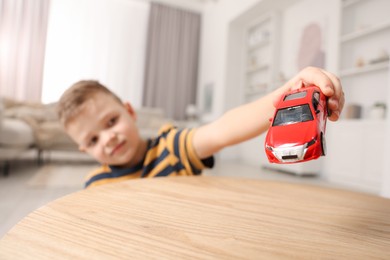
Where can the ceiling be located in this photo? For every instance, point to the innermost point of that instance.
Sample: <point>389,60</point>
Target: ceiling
<point>195,5</point>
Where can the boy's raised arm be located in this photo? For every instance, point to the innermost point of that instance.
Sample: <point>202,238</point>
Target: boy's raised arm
<point>252,119</point>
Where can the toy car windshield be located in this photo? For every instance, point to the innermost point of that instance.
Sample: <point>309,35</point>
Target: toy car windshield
<point>292,115</point>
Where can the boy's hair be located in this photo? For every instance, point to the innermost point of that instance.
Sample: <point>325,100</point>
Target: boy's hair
<point>73,98</point>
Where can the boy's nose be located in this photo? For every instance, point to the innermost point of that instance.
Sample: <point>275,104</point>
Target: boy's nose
<point>110,138</point>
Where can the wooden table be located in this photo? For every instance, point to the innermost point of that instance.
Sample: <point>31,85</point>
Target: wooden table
<point>204,218</point>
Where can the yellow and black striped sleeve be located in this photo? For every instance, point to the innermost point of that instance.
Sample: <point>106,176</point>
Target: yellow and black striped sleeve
<point>172,153</point>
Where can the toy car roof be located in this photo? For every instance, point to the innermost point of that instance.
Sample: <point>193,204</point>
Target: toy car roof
<point>297,97</point>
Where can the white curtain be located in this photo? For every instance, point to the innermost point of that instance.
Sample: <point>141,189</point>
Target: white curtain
<point>172,60</point>
<point>96,39</point>
<point>23,25</point>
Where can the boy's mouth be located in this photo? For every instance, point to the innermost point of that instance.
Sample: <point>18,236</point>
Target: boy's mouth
<point>117,148</point>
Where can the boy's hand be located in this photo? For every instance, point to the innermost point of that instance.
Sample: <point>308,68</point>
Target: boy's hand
<point>328,83</point>
<point>250,120</point>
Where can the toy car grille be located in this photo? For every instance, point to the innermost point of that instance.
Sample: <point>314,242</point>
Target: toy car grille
<point>289,157</point>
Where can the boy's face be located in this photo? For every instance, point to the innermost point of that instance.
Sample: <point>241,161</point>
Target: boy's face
<point>106,130</point>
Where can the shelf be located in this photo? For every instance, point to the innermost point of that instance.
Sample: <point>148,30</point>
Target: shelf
<point>364,32</point>
<point>364,69</point>
<point>258,45</point>
<point>257,69</point>
<point>261,42</point>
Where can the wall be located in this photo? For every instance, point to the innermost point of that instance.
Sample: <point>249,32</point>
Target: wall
<point>214,44</point>
<point>96,39</point>
<point>295,19</point>
<point>99,39</point>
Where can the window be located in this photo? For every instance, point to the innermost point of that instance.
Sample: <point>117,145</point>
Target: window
<point>295,96</point>
<point>292,115</point>
<point>316,100</point>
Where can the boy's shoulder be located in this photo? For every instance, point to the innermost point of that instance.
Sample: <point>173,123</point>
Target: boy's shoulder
<point>166,128</point>
<point>100,169</point>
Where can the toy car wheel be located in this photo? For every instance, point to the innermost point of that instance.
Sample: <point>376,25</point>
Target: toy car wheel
<point>323,145</point>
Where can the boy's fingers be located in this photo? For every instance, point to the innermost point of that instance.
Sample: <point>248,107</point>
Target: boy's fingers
<point>336,106</point>
<point>336,84</point>
<point>336,101</point>
<point>299,84</point>
<point>329,84</point>
<point>315,76</point>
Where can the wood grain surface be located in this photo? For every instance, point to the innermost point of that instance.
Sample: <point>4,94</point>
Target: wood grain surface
<point>204,218</point>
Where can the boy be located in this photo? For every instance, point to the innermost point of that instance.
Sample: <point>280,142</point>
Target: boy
<point>105,128</point>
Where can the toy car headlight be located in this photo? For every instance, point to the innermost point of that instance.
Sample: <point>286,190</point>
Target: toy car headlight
<point>313,141</point>
<point>269,147</point>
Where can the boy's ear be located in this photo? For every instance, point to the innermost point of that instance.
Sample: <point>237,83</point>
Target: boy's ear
<point>131,110</point>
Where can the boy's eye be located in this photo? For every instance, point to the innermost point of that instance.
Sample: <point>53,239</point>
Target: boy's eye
<point>92,141</point>
<point>112,121</point>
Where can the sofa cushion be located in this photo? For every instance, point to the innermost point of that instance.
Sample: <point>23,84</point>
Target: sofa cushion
<point>39,114</point>
<point>50,135</point>
<point>15,132</point>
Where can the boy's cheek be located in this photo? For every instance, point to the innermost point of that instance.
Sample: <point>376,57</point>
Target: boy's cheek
<point>90,152</point>
<point>99,156</point>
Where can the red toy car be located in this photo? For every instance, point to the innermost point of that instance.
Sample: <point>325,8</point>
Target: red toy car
<point>297,131</point>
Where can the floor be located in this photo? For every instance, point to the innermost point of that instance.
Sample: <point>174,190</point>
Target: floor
<point>18,198</point>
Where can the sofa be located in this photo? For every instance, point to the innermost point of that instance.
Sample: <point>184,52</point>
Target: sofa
<point>16,136</point>
<point>26,125</point>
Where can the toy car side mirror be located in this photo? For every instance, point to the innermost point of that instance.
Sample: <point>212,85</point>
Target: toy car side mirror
<point>270,119</point>
<point>328,111</point>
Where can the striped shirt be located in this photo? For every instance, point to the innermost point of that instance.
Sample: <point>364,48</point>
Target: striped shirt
<point>171,153</point>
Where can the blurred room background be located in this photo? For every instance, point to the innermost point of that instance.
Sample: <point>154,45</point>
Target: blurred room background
<point>187,62</point>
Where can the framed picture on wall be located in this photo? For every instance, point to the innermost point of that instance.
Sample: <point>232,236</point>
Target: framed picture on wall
<point>305,36</point>
<point>311,51</point>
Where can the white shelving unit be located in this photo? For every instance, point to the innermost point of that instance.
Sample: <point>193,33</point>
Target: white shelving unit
<point>365,32</point>
<point>357,156</point>
<point>364,53</point>
<point>366,69</point>
<point>260,57</point>
<point>357,144</point>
